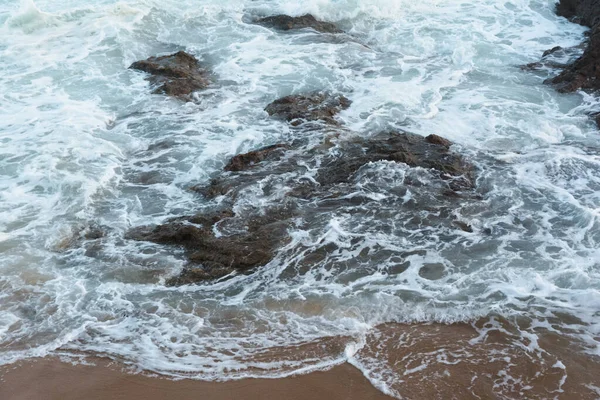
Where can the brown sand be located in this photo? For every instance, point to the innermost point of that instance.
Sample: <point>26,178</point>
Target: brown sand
<point>487,359</point>
<point>436,361</point>
<point>49,379</point>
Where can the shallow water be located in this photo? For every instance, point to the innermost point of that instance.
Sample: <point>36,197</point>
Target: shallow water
<point>83,142</point>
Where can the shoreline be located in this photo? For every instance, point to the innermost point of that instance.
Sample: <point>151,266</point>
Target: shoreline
<point>486,359</point>
<point>50,378</point>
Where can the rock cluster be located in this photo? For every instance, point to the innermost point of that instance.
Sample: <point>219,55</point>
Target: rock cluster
<point>222,241</point>
<point>299,182</point>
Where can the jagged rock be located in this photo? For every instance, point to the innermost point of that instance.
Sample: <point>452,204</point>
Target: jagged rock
<point>177,75</point>
<point>584,12</point>
<point>94,232</point>
<point>464,226</point>
<point>245,161</point>
<point>286,23</point>
<point>584,73</point>
<point>333,170</point>
<point>318,106</point>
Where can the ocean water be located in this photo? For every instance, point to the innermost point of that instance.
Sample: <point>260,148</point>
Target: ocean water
<point>84,143</point>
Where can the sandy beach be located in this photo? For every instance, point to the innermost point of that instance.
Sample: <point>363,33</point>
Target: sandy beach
<point>51,379</point>
<point>422,362</point>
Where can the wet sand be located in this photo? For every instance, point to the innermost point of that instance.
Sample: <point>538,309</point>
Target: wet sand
<point>492,358</point>
<point>50,379</point>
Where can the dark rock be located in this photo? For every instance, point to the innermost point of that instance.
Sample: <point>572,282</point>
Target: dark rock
<point>213,256</point>
<point>94,232</point>
<point>340,167</point>
<point>232,184</point>
<point>219,243</point>
<point>555,58</point>
<point>319,106</point>
<point>177,75</point>
<point>451,193</point>
<point>286,23</point>
<point>551,51</point>
<point>414,150</point>
<point>464,226</point>
<point>214,189</point>
<point>245,161</point>
<point>584,73</point>
<point>435,139</point>
<point>567,8</point>
<point>316,180</point>
<point>584,12</point>
<point>597,119</point>
<point>195,274</point>
<point>534,66</point>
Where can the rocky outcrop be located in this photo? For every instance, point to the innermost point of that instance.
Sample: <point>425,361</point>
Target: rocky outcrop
<point>287,23</point>
<point>584,12</point>
<point>584,73</point>
<point>275,188</point>
<point>579,71</point>
<point>177,75</point>
<point>318,106</point>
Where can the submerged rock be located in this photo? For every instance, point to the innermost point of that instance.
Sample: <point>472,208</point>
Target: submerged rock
<point>554,58</point>
<point>337,169</point>
<point>551,51</point>
<point>435,139</point>
<point>177,75</point>
<point>318,106</point>
<point>286,23</point>
<point>87,236</point>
